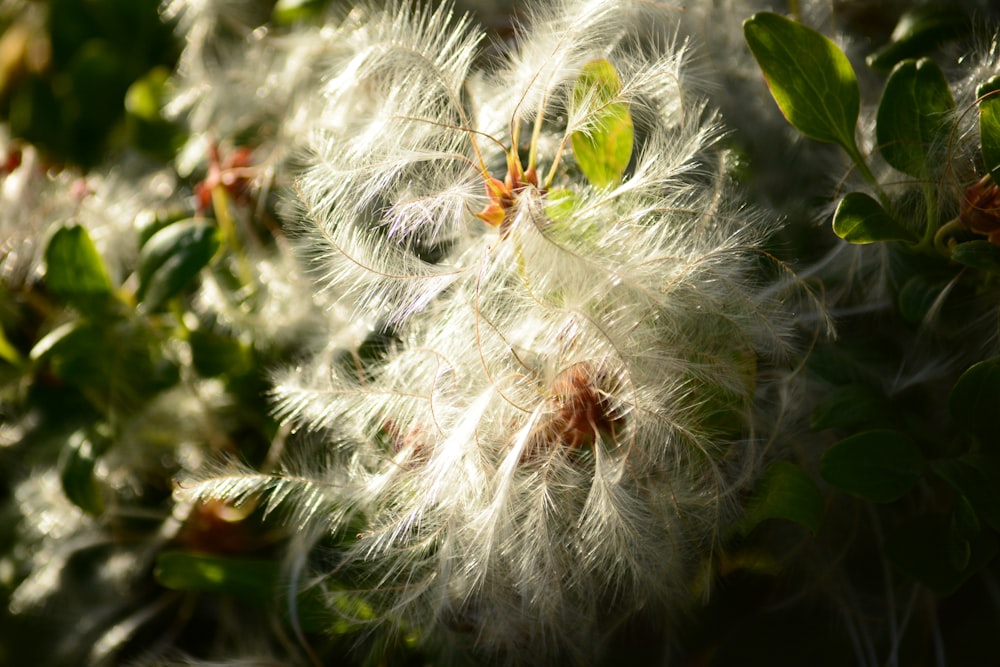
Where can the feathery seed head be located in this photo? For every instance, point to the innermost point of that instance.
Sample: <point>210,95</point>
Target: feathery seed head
<point>562,416</point>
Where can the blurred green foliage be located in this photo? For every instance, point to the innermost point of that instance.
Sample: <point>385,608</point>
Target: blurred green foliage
<point>67,67</point>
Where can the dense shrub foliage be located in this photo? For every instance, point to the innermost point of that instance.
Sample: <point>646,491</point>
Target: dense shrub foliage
<point>584,332</point>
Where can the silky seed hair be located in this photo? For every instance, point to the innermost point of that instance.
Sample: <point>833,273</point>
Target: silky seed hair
<point>563,417</point>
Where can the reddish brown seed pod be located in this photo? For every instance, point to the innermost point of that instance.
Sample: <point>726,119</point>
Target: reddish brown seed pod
<point>580,413</point>
<point>979,210</point>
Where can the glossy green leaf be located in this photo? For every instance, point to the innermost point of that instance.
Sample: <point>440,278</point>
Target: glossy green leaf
<point>784,492</point>
<point>860,219</point>
<point>151,220</point>
<point>172,258</point>
<point>920,30</point>
<point>116,365</point>
<point>989,125</point>
<point>975,401</point>
<point>915,118</point>
<point>75,350</point>
<point>74,270</point>
<point>981,255</point>
<point>879,466</point>
<point>964,527</point>
<point>925,549</point>
<point>76,472</point>
<point>809,76</point>
<point>976,485</point>
<point>251,580</point>
<point>604,148</point>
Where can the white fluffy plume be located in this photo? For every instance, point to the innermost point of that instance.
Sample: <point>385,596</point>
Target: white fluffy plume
<point>566,415</point>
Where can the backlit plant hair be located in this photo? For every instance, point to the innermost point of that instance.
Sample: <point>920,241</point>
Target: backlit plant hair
<point>569,404</point>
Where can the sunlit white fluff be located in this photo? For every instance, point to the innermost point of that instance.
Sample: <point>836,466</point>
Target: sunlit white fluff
<point>36,199</point>
<point>241,78</point>
<point>565,420</point>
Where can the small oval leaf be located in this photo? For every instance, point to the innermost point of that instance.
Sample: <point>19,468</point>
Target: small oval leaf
<point>76,472</point>
<point>914,118</point>
<point>879,466</point>
<point>989,124</point>
<point>852,406</point>
<point>975,401</point>
<point>981,255</point>
<point>172,257</point>
<point>975,486</point>
<point>925,548</point>
<point>919,31</point>
<point>810,78</point>
<point>860,219</point>
<point>604,148</point>
<point>784,492</point>
<point>74,270</point>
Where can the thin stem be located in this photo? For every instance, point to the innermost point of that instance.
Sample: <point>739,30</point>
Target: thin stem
<point>536,133</point>
<point>227,226</point>
<point>859,162</point>
<point>931,228</point>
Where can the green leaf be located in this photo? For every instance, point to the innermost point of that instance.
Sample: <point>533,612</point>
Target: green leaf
<point>151,220</point>
<point>809,76</point>
<point>560,204</point>
<point>604,149</point>
<point>989,124</point>
<point>76,471</point>
<point>975,401</point>
<point>919,31</point>
<point>851,406</point>
<point>213,354</point>
<point>8,352</point>
<point>290,11</point>
<point>974,485</point>
<point>914,118</point>
<point>75,350</point>
<point>860,219</point>
<point>927,549</point>
<point>116,365</point>
<point>74,270</point>
<point>172,258</point>
<point>144,97</point>
<point>981,255</point>
<point>251,580</point>
<point>148,130</point>
<point>784,492</point>
<point>879,466</point>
